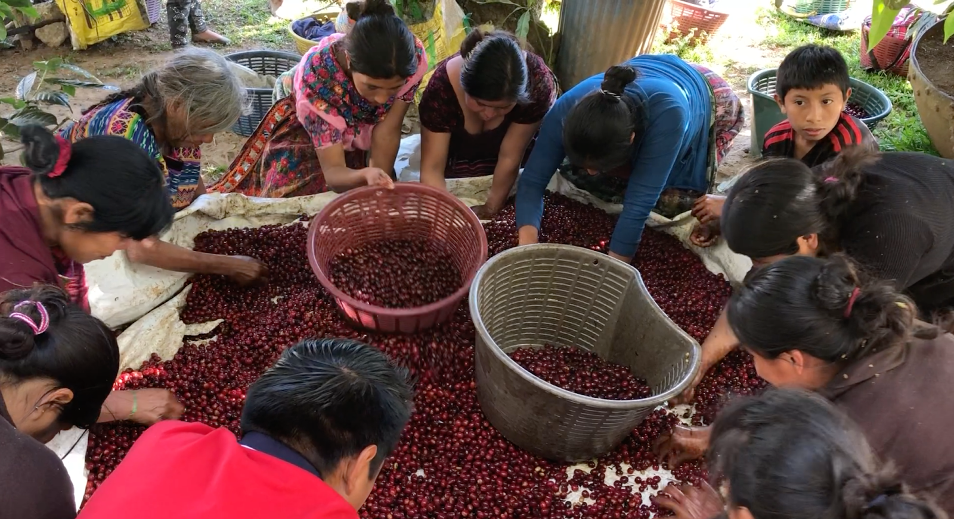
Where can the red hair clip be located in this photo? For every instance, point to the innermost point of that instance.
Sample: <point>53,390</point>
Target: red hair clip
<point>63,159</point>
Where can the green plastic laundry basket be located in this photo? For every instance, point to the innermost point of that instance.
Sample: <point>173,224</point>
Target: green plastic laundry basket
<point>813,7</point>
<point>766,114</point>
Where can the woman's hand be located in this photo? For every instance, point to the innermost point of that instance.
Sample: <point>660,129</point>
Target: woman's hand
<point>717,345</point>
<point>708,208</point>
<point>484,212</point>
<point>147,406</point>
<point>691,502</point>
<point>245,270</point>
<point>377,177</point>
<point>689,393</point>
<point>682,445</point>
<point>156,404</point>
<point>704,235</point>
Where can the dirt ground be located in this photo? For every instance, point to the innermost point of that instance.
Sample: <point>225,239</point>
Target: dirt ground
<point>941,75</point>
<point>119,63</point>
<point>122,61</point>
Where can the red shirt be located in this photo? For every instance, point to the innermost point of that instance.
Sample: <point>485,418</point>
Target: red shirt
<point>849,131</point>
<point>190,470</point>
<point>25,257</point>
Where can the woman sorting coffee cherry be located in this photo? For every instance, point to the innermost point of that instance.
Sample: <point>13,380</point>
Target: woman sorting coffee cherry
<point>480,111</point>
<point>891,213</point>
<point>74,204</point>
<point>822,325</point>
<point>651,124</point>
<point>57,365</point>
<point>791,454</point>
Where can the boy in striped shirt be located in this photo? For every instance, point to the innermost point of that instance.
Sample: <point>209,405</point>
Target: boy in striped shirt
<point>812,89</point>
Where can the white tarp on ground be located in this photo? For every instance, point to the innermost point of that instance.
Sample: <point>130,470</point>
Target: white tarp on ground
<point>150,298</point>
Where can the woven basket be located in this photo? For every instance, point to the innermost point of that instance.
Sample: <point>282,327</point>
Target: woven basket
<point>304,45</point>
<point>814,7</point>
<point>409,211</point>
<point>569,296</point>
<point>766,114</point>
<point>695,21</point>
<point>891,55</point>
<point>266,63</point>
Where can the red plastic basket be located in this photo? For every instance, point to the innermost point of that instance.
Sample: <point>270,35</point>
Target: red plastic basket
<point>410,211</point>
<point>891,54</point>
<point>690,17</point>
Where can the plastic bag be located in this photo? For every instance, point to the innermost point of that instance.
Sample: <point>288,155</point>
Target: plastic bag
<point>92,21</point>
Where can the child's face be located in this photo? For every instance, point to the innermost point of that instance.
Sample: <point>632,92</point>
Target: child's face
<point>813,113</point>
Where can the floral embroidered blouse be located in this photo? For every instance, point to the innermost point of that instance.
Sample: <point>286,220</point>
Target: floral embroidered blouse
<point>327,104</point>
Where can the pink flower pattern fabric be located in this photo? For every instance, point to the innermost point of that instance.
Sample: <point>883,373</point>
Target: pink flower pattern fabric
<point>328,105</point>
<point>318,107</point>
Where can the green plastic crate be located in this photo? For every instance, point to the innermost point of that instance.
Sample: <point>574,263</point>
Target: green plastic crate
<point>766,114</point>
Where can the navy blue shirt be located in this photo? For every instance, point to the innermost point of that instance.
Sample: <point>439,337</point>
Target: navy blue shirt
<point>672,154</point>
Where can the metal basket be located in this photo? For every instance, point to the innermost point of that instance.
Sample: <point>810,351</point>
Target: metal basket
<point>266,63</point>
<point>569,296</point>
<point>766,113</point>
<point>409,211</point>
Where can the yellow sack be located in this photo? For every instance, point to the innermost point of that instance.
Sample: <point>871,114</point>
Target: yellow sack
<point>92,21</point>
<point>441,36</point>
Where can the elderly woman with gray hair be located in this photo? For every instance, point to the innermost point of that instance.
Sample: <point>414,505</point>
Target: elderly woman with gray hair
<point>170,113</point>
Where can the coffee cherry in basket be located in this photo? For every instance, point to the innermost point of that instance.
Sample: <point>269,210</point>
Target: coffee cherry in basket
<point>581,372</point>
<point>854,109</point>
<point>397,274</point>
<point>450,463</point>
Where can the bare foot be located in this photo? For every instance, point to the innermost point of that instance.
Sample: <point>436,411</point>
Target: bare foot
<point>209,36</point>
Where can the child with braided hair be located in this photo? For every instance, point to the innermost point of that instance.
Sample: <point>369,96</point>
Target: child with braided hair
<point>57,366</point>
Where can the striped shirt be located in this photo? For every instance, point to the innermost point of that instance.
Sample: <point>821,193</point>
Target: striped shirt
<point>125,118</point>
<point>849,131</point>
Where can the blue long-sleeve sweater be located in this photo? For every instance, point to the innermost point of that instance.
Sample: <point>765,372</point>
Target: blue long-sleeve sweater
<point>672,154</point>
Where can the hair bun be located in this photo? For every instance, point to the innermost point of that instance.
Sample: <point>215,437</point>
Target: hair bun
<point>470,42</point>
<point>371,8</point>
<point>40,149</point>
<point>491,37</point>
<point>617,77</point>
<point>16,339</point>
<point>834,284</point>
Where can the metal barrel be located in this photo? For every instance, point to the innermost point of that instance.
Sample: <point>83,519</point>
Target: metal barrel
<point>597,34</point>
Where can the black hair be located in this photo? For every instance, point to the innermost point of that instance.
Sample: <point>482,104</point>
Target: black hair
<point>780,200</point>
<point>812,67</point>
<point>808,304</point>
<point>330,399</point>
<point>602,129</point>
<point>77,351</point>
<point>494,68</point>
<point>113,175</point>
<point>380,45</point>
<point>791,454</point>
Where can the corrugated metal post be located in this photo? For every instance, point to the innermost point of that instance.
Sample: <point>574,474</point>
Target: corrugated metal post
<point>597,34</point>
